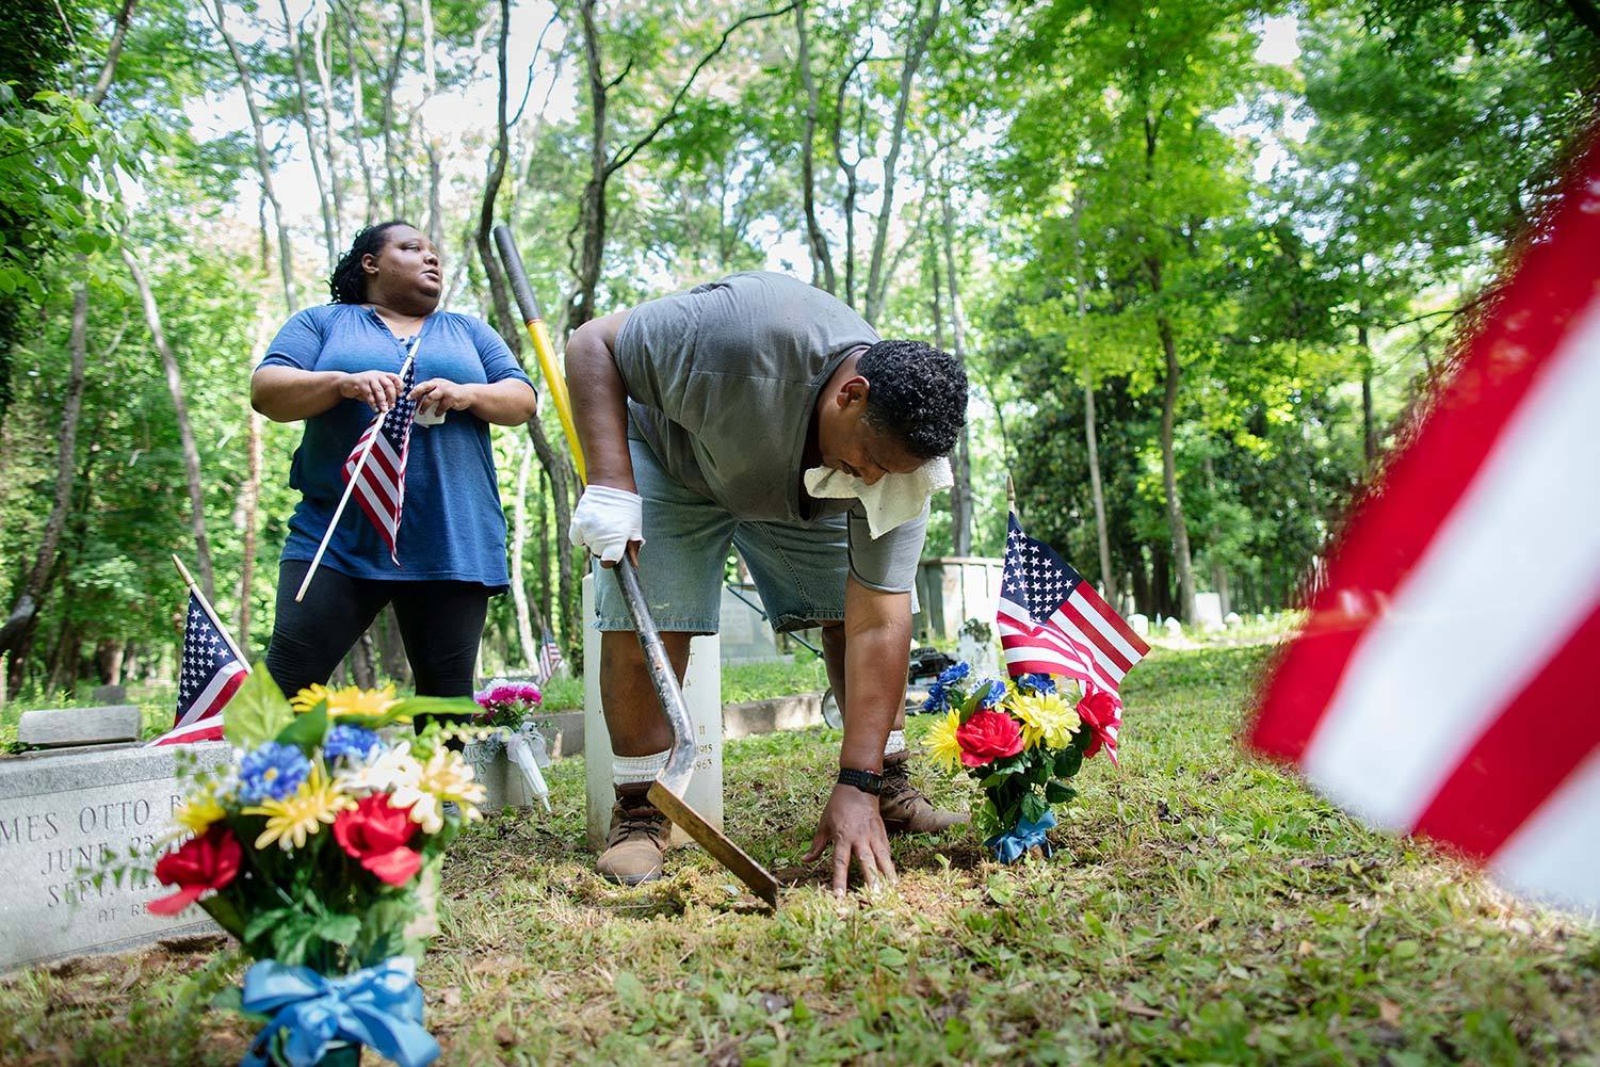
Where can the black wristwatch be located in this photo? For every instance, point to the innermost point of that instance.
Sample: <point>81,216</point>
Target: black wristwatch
<point>865,781</point>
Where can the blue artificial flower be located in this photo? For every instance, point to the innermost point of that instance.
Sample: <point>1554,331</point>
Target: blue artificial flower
<point>1038,683</point>
<point>350,741</point>
<point>954,674</point>
<point>271,772</point>
<point>938,699</point>
<point>995,693</point>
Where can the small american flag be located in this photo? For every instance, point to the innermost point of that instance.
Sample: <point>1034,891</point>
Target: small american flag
<point>550,659</point>
<point>207,679</point>
<point>381,488</point>
<point>1051,621</point>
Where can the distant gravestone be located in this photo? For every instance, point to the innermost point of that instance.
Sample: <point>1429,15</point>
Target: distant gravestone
<point>1139,624</point>
<point>1173,628</point>
<point>1208,610</point>
<point>60,727</point>
<point>975,645</point>
<point>1232,620</point>
<point>109,694</point>
<point>66,818</point>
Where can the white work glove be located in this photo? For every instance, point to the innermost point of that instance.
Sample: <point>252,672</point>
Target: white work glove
<point>606,520</point>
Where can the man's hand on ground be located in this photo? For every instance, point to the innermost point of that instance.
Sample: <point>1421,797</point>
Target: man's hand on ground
<point>851,824</point>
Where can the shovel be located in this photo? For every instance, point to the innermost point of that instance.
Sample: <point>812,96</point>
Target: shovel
<point>666,792</point>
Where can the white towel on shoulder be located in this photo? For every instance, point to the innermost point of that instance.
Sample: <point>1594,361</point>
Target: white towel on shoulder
<point>893,500</point>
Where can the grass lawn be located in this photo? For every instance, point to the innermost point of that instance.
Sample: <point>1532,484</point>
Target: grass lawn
<point>1200,908</point>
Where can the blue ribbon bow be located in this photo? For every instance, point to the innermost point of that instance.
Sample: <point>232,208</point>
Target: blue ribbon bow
<point>380,1007</point>
<point>1012,845</point>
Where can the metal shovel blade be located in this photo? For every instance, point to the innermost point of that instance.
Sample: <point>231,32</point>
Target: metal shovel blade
<point>666,792</point>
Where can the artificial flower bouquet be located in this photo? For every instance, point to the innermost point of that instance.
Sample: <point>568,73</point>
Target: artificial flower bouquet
<point>318,848</point>
<point>1023,742</point>
<point>507,708</point>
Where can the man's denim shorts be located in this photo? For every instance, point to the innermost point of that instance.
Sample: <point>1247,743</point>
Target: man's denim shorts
<point>799,568</point>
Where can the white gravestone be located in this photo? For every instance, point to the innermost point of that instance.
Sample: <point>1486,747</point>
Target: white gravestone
<point>66,818</point>
<point>971,647</point>
<point>1208,610</point>
<point>1139,624</point>
<point>1173,627</point>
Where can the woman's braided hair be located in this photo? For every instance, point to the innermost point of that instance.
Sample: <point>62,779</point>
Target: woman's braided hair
<point>348,283</point>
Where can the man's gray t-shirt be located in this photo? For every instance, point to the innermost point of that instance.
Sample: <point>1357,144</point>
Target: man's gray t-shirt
<point>722,383</point>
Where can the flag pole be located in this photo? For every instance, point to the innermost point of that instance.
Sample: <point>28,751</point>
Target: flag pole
<point>205,605</point>
<point>350,485</point>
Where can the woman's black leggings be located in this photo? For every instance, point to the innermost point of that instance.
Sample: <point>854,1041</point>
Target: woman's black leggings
<point>441,624</point>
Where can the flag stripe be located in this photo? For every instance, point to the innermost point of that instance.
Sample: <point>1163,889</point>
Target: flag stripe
<point>204,730</point>
<point>1510,761</point>
<point>1063,633</point>
<point>1043,645</point>
<point>1112,625</point>
<point>1553,856</point>
<point>1448,643</point>
<point>218,691</point>
<point>1108,655</point>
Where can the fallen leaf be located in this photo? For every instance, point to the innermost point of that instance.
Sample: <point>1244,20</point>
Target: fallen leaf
<point>1389,1012</point>
<point>1133,1007</point>
<point>1306,948</point>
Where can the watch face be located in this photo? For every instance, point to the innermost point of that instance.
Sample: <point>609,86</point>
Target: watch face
<point>866,781</point>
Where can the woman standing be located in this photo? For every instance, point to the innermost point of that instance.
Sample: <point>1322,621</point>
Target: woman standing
<point>336,367</point>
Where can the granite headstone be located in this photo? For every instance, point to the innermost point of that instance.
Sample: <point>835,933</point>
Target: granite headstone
<point>66,821</point>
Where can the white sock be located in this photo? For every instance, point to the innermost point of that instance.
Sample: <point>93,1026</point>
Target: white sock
<point>896,743</point>
<point>631,770</point>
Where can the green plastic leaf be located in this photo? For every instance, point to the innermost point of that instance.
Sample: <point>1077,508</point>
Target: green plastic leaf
<point>307,731</point>
<point>339,929</point>
<point>257,711</point>
<point>1034,807</point>
<point>410,707</point>
<point>1059,793</point>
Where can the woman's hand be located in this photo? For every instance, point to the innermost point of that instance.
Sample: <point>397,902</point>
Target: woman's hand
<point>852,824</point>
<point>442,395</point>
<point>377,389</point>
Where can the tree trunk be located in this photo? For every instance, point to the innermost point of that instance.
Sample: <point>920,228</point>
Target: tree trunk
<point>358,116</point>
<point>916,49</point>
<point>1369,430</point>
<point>31,594</point>
<point>519,546</point>
<point>1169,473</point>
<point>592,204</point>
<point>822,273</point>
<point>263,157</point>
<point>1090,433</point>
<point>322,52</point>
<point>249,506</point>
<point>961,500</point>
<point>191,453</point>
<point>108,69</point>
<point>302,104</point>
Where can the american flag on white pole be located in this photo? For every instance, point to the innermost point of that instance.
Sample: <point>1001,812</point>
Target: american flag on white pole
<point>208,676</point>
<point>1444,683</point>
<point>1051,621</point>
<point>381,484</point>
<point>550,658</point>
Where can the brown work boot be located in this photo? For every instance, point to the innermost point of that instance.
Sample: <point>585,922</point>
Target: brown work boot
<point>638,839</point>
<point>903,807</point>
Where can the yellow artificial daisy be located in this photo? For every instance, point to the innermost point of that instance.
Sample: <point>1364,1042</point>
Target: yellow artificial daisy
<point>446,777</point>
<point>295,818</point>
<point>942,743</point>
<point>1046,719</point>
<point>198,811</point>
<point>309,697</point>
<point>353,700</point>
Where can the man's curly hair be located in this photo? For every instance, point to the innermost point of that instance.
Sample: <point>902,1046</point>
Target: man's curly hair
<point>916,393</point>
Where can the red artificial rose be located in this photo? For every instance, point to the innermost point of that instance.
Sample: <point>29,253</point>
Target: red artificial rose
<point>1101,711</point>
<point>376,834</point>
<point>201,863</point>
<point>987,736</point>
